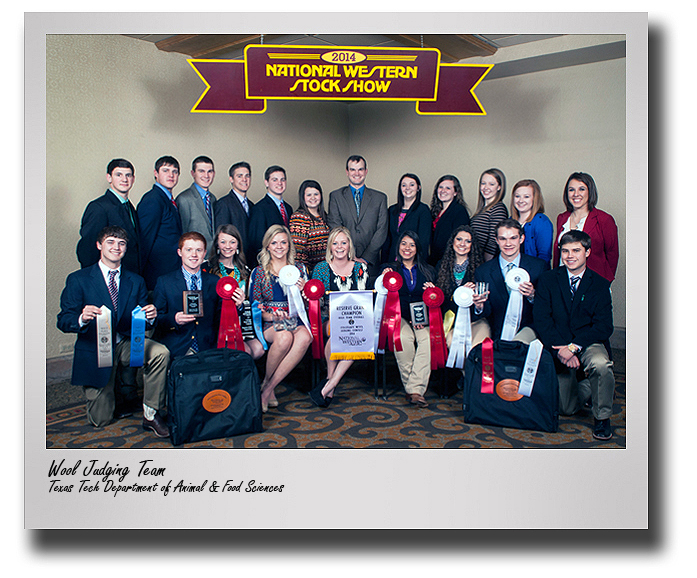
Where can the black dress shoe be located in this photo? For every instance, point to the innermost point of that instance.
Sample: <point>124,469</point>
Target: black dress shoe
<point>156,425</point>
<point>317,397</point>
<point>602,430</point>
<point>126,409</point>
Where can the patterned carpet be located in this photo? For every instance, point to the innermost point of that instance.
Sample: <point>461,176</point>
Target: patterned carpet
<point>356,419</point>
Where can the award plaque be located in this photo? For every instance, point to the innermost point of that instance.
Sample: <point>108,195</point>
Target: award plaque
<point>419,315</point>
<point>247,321</point>
<point>193,303</point>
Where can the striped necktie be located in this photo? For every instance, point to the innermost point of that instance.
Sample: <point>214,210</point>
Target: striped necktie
<point>193,286</point>
<point>357,200</point>
<point>113,290</point>
<point>574,285</point>
<point>207,200</point>
<point>284,214</point>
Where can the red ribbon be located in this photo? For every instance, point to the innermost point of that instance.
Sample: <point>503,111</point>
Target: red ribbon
<point>487,366</point>
<point>314,291</point>
<point>433,298</point>
<point>392,317</point>
<point>230,332</point>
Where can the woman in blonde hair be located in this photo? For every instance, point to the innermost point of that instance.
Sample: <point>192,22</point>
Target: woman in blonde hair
<point>490,211</point>
<point>528,208</point>
<point>287,337</point>
<point>338,272</point>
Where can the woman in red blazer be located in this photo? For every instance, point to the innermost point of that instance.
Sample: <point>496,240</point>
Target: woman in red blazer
<point>580,198</point>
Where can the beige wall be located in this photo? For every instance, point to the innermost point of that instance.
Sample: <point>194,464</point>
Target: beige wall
<point>111,96</point>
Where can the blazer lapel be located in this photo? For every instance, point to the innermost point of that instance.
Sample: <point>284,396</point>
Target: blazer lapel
<point>565,287</point>
<point>583,286</point>
<point>125,290</point>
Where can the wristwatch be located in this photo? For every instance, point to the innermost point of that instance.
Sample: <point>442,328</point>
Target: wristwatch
<point>573,348</point>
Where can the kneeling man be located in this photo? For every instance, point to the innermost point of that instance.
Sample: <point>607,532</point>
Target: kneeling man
<point>573,316</point>
<point>90,296</point>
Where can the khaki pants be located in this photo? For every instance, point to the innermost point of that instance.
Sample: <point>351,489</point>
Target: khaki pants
<point>598,386</point>
<point>101,400</point>
<point>414,361</point>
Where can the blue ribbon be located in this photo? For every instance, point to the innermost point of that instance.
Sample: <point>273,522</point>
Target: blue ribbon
<point>137,337</point>
<point>258,327</point>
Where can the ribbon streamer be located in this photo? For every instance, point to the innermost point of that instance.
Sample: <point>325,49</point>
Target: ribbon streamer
<point>104,350</point>
<point>378,311</point>
<point>258,324</point>
<point>514,311</point>
<point>314,291</point>
<point>433,297</point>
<point>138,321</point>
<point>532,361</point>
<point>462,330</point>
<point>289,276</point>
<point>487,366</point>
<point>392,318</point>
<point>230,332</point>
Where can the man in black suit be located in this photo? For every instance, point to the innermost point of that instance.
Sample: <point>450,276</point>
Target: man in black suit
<point>502,320</point>
<point>271,210</point>
<point>235,208</point>
<point>186,333</point>
<point>103,297</point>
<point>160,223</point>
<point>112,208</point>
<point>573,315</point>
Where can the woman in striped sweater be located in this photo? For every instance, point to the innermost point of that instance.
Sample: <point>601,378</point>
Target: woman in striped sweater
<point>490,211</point>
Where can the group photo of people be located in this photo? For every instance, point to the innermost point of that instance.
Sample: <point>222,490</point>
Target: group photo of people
<point>148,256</point>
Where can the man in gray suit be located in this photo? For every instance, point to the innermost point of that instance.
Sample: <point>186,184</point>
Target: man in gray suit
<point>197,204</point>
<point>362,211</point>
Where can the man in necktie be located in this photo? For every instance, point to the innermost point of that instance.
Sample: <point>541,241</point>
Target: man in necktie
<point>197,204</point>
<point>97,304</point>
<point>235,208</point>
<point>573,316</point>
<point>188,332</point>
<point>510,238</point>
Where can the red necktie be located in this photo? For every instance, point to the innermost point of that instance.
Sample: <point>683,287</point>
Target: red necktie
<point>284,214</point>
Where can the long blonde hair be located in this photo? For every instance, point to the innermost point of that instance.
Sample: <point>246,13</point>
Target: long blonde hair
<point>264,256</point>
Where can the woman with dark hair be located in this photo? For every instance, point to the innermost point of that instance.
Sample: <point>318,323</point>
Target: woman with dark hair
<point>580,198</point>
<point>528,208</point>
<point>408,214</point>
<point>448,211</point>
<point>414,361</point>
<point>490,211</point>
<point>308,225</point>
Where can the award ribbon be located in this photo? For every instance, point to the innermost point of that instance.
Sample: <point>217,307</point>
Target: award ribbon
<point>289,276</point>
<point>378,310</point>
<point>104,351</point>
<point>258,324</point>
<point>314,291</point>
<point>487,366</point>
<point>393,313</point>
<point>433,298</point>
<point>532,361</point>
<point>137,337</point>
<point>462,330</point>
<point>514,311</point>
<point>230,331</point>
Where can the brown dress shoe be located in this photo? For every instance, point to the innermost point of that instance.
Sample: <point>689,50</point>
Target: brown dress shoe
<point>417,399</point>
<point>157,425</point>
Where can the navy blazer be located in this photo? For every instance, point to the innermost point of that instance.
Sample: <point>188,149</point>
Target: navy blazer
<point>161,228</point>
<point>88,287</point>
<point>497,303</point>
<point>229,211</point>
<point>417,219</point>
<point>105,211</point>
<point>454,216</point>
<point>264,215</point>
<point>168,297</point>
<point>585,320</point>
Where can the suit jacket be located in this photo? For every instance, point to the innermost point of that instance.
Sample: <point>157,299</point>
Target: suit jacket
<point>454,216</point>
<point>605,247</point>
<point>229,211</point>
<point>264,215</point>
<point>105,211</point>
<point>169,300</point>
<point>88,287</point>
<point>161,227</point>
<point>369,230</point>
<point>417,219</point>
<point>194,217</point>
<point>585,320</point>
<point>497,303</point>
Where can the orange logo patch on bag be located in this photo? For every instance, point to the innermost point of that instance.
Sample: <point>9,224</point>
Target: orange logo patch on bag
<point>216,401</point>
<point>507,389</point>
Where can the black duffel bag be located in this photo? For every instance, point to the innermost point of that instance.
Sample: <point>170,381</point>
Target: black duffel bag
<point>213,394</point>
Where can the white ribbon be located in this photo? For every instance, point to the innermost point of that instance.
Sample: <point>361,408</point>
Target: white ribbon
<point>378,310</point>
<point>532,361</point>
<point>289,276</point>
<point>514,311</point>
<point>104,352</point>
<point>462,330</point>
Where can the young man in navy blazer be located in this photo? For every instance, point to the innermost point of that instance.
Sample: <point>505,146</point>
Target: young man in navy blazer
<point>235,208</point>
<point>509,237</point>
<point>88,292</point>
<point>182,333</point>
<point>573,316</point>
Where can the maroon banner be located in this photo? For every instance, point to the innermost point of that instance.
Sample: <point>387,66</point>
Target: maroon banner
<point>230,332</point>
<point>433,297</point>
<point>314,291</point>
<point>339,73</point>
<point>487,366</point>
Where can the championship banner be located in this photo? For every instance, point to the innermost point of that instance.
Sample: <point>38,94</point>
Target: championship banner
<point>345,73</point>
<point>351,322</point>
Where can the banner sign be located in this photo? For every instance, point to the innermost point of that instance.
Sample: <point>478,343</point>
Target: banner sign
<point>351,324</point>
<point>339,73</point>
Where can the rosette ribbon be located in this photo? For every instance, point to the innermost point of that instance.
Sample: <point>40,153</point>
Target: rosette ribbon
<point>314,291</point>
<point>230,332</point>
<point>137,337</point>
<point>392,317</point>
<point>378,311</point>
<point>514,311</point>
<point>433,298</point>
<point>288,276</point>
<point>462,330</point>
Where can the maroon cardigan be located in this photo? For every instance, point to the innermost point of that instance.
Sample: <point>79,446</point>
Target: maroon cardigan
<point>605,246</point>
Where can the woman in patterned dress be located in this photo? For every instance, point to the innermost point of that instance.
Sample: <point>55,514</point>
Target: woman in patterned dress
<point>308,226</point>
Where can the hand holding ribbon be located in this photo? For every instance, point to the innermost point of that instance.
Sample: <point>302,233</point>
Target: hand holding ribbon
<point>314,291</point>
<point>462,331</point>
<point>433,298</point>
